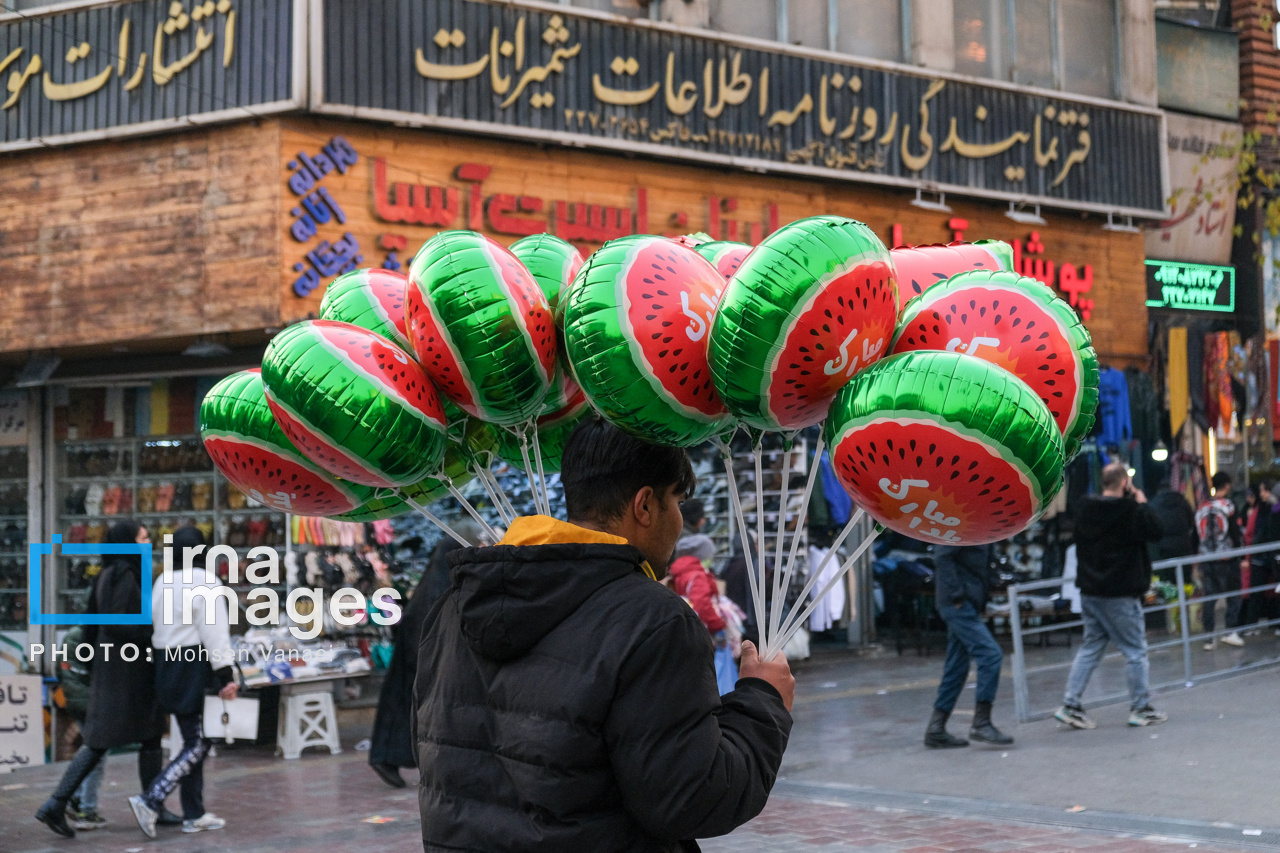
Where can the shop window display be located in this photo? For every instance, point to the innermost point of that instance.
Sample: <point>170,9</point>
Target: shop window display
<point>109,467</point>
<point>13,538</point>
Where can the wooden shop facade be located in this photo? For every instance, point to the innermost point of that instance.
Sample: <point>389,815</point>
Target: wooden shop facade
<point>183,179</point>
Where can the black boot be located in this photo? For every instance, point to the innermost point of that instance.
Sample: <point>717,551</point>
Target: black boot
<point>53,814</point>
<point>983,731</point>
<point>936,737</point>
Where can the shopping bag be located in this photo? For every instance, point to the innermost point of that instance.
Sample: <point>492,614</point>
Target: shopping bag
<point>230,719</point>
<point>726,670</point>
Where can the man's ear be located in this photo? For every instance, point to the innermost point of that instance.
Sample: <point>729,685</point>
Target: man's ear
<point>644,505</point>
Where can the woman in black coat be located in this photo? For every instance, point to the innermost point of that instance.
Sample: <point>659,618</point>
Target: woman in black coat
<point>122,702</point>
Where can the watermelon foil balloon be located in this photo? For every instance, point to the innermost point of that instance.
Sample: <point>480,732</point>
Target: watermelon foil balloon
<point>1020,325</point>
<point>551,261</point>
<point>945,448</point>
<point>480,443</point>
<point>242,438</point>
<point>809,307</point>
<point>636,322</point>
<point>919,268</point>
<point>724,255</point>
<point>372,299</point>
<point>354,403</point>
<point>481,327</point>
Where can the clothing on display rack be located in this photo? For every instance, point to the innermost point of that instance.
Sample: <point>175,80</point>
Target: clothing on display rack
<point>1113,408</point>
<point>1176,378</point>
<point>1144,407</point>
<point>831,609</point>
<point>839,504</point>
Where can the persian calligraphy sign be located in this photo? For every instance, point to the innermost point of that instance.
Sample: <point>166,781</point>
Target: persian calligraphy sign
<point>544,72</point>
<point>21,722</point>
<point>144,66</point>
<point>369,195</point>
<point>1202,205</point>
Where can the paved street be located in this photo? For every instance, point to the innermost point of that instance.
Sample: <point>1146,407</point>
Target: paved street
<point>855,778</point>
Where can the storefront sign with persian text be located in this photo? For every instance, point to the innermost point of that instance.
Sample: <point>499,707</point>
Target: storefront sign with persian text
<point>143,66</point>
<point>598,81</point>
<point>21,722</point>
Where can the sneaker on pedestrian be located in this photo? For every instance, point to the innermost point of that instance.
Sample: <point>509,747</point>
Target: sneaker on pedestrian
<point>206,821</point>
<point>87,819</point>
<point>1211,645</point>
<point>1074,716</point>
<point>1146,716</point>
<point>1233,639</point>
<point>145,815</point>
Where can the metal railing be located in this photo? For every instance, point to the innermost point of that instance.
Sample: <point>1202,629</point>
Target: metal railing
<point>1017,593</point>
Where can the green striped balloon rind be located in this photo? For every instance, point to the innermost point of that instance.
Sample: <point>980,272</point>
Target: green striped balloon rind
<point>963,392</point>
<point>602,355</point>
<point>346,406</point>
<point>755,312</point>
<point>1069,323</point>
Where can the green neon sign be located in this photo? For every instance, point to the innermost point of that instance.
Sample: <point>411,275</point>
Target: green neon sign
<point>1190,287</point>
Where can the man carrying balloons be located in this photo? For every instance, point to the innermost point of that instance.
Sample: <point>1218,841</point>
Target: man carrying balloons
<point>567,701</point>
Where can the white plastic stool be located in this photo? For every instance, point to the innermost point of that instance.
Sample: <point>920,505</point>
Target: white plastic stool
<point>307,719</point>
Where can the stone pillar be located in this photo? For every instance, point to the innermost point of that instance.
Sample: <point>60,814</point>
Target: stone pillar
<point>1138,51</point>
<point>933,41</point>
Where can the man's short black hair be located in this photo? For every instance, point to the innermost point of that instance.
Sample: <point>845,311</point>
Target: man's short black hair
<point>692,511</point>
<point>1220,479</point>
<point>603,468</point>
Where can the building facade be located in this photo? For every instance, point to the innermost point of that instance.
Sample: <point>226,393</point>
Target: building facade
<point>186,178</point>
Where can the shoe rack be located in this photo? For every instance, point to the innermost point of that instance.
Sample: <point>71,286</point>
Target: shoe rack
<point>162,481</point>
<point>13,538</point>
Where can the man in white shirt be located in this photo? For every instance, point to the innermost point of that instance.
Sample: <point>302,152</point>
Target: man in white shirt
<point>192,653</point>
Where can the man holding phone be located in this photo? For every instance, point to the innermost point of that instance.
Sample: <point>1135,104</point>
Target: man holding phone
<point>1114,573</point>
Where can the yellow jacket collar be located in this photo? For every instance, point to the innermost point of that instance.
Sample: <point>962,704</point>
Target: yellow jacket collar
<point>544,530</point>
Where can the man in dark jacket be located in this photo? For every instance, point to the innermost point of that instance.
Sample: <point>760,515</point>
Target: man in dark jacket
<point>962,580</point>
<point>1114,573</point>
<point>566,700</point>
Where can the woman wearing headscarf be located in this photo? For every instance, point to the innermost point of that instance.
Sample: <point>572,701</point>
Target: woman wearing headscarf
<point>122,701</point>
<point>192,654</point>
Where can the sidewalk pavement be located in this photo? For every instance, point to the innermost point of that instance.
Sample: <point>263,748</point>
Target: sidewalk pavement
<point>855,777</point>
<point>335,802</point>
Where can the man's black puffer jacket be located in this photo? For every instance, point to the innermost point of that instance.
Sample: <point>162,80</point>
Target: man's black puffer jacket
<point>566,702</point>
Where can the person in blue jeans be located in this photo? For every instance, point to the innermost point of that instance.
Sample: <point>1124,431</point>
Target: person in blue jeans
<point>1113,574</point>
<point>962,582</point>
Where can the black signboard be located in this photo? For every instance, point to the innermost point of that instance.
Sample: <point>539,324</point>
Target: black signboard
<point>582,79</point>
<point>143,66</point>
<point>1190,287</point>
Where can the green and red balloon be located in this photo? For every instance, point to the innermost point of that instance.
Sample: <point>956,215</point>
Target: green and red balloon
<point>810,306</point>
<point>945,448</point>
<point>636,322</point>
<point>242,438</point>
<point>354,403</point>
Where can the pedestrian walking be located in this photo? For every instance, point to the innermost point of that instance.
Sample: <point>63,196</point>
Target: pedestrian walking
<point>566,699</point>
<point>1264,605</point>
<point>391,743</point>
<point>73,680</point>
<point>1113,573</point>
<point>193,653</point>
<point>963,579</point>
<point>1178,519</point>
<point>689,575</point>
<point>1219,528</point>
<point>122,698</point>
